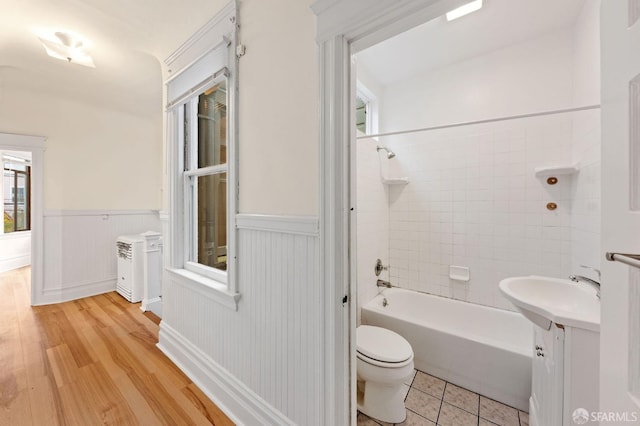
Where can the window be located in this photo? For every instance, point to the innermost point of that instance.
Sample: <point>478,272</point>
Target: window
<point>202,163</point>
<point>361,115</point>
<point>205,180</point>
<point>16,181</point>
<point>366,110</point>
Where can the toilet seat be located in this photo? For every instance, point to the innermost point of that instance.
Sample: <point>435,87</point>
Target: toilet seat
<point>381,347</point>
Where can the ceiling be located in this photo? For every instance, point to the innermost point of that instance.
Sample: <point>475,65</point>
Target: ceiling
<point>438,43</point>
<point>126,38</point>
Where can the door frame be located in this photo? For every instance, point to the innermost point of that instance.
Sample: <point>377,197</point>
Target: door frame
<point>34,145</point>
<point>346,27</point>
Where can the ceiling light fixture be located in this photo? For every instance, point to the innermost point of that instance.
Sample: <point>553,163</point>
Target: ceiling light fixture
<point>464,10</point>
<point>67,47</point>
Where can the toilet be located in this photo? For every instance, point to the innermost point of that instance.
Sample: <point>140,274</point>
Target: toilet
<point>384,361</point>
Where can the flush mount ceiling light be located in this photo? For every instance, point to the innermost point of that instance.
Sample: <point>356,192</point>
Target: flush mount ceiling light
<point>67,47</point>
<point>464,10</point>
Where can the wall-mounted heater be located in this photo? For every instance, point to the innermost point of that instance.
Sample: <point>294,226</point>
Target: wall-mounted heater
<point>130,284</point>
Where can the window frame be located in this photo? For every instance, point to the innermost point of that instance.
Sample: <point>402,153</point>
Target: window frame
<point>371,104</point>
<point>206,59</point>
<point>189,188</point>
<point>27,201</point>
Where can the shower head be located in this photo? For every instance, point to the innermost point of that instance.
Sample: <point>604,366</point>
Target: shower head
<point>390,154</point>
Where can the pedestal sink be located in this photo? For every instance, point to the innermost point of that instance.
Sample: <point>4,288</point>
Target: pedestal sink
<point>544,300</point>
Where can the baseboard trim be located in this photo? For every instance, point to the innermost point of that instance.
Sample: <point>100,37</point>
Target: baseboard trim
<point>240,403</point>
<point>154,305</point>
<point>75,291</point>
<point>14,262</point>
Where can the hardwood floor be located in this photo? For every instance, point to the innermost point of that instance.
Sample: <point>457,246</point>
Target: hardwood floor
<point>89,362</point>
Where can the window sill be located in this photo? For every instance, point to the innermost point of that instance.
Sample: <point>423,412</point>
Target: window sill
<point>207,287</point>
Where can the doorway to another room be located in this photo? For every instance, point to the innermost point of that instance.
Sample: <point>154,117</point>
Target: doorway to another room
<point>21,236</point>
<point>15,235</point>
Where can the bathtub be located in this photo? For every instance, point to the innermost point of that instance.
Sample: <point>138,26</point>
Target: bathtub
<point>483,349</point>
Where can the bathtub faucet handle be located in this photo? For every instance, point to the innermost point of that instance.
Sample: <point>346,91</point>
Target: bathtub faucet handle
<point>380,267</point>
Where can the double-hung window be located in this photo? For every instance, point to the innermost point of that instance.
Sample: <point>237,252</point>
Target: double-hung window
<point>205,182</point>
<point>202,162</point>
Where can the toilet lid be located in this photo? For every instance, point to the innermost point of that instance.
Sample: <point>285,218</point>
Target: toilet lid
<point>381,344</point>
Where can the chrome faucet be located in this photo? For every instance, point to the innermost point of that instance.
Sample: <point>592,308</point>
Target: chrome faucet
<point>383,283</point>
<point>593,283</point>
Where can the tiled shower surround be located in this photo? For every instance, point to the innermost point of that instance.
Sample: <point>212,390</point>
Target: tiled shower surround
<point>473,200</point>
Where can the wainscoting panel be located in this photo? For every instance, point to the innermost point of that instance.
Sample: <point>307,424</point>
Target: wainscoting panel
<point>15,250</point>
<point>79,250</point>
<point>271,347</point>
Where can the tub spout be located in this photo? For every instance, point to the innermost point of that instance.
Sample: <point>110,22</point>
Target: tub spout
<point>383,283</point>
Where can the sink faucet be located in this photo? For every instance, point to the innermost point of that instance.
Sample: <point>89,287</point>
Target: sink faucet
<point>383,283</point>
<point>593,283</point>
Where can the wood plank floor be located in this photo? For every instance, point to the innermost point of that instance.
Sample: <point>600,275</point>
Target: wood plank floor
<point>89,362</point>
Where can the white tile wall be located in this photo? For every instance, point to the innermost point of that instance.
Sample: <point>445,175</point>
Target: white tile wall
<point>585,192</point>
<point>372,225</point>
<point>473,200</point>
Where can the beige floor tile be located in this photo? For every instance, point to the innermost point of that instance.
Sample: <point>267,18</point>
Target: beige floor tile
<point>498,413</point>
<point>524,418</point>
<point>423,404</point>
<point>454,416</point>
<point>484,422</point>
<point>461,398</point>
<point>414,419</point>
<point>429,384</point>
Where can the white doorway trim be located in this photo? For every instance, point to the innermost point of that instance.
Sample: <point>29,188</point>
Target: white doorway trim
<point>344,28</point>
<point>34,145</point>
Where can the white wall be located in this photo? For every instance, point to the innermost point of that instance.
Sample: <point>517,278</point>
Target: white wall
<point>80,250</point>
<point>278,108</point>
<point>95,158</point>
<point>529,77</point>
<point>263,363</point>
<point>372,229</point>
<point>586,142</point>
<point>473,199</point>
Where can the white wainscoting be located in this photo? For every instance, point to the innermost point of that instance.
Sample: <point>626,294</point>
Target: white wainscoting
<point>263,363</point>
<point>15,250</point>
<point>79,250</point>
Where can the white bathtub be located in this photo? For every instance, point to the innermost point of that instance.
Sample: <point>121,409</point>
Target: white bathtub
<point>483,349</point>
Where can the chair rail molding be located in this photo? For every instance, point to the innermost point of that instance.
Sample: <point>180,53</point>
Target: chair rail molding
<point>299,225</point>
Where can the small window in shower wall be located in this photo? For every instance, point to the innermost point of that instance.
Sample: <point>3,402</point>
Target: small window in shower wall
<point>361,115</point>
<point>366,110</point>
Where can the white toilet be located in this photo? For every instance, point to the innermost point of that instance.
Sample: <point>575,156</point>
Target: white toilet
<point>384,362</point>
